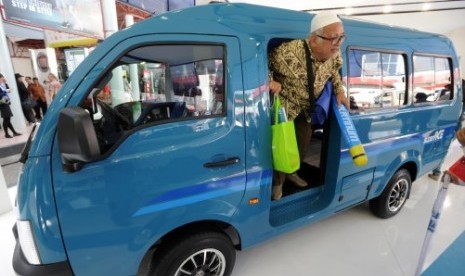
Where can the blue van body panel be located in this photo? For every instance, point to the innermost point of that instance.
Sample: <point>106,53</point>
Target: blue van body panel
<point>113,210</point>
<point>36,202</point>
<point>127,213</point>
<point>151,184</point>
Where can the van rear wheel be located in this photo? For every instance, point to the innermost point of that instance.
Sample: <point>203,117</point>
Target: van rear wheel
<point>394,196</point>
<point>207,253</point>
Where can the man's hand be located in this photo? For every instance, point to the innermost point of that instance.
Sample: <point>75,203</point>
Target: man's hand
<point>453,179</point>
<point>342,99</point>
<point>461,136</point>
<point>275,87</point>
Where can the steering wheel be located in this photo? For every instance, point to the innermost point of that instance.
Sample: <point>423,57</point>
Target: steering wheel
<point>120,119</point>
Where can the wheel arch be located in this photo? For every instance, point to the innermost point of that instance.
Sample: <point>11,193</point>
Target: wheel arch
<point>412,168</point>
<point>410,164</point>
<point>187,230</point>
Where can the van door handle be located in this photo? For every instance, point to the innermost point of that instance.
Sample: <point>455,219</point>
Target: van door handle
<point>227,162</point>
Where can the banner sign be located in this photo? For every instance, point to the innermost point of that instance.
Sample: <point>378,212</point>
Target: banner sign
<point>161,6</point>
<point>153,6</point>
<point>180,4</point>
<point>83,16</point>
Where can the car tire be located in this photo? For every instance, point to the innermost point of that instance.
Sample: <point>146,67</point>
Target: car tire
<point>394,196</point>
<point>209,252</point>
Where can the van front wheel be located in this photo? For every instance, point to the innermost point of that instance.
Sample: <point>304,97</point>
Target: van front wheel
<point>208,253</point>
<point>394,196</point>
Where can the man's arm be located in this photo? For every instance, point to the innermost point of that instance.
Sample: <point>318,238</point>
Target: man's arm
<point>283,64</point>
<point>340,92</point>
<point>337,82</point>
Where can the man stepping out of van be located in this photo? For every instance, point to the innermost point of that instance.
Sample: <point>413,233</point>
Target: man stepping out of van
<point>290,79</point>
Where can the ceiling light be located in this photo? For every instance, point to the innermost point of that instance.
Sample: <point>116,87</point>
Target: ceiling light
<point>348,11</point>
<point>387,9</point>
<point>426,7</point>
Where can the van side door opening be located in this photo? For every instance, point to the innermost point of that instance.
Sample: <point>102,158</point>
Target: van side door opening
<point>299,202</point>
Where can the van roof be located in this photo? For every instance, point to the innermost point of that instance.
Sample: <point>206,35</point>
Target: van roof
<point>261,22</point>
<point>239,19</point>
<point>229,19</point>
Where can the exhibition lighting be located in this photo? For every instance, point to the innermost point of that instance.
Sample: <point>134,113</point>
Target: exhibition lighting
<point>387,9</point>
<point>426,7</point>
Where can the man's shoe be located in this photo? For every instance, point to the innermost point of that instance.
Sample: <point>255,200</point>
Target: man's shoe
<point>16,134</point>
<point>8,136</point>
<point>296,180</point>
<point>434,176</point>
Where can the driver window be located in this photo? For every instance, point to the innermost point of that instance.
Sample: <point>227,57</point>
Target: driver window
<point>155,85</point>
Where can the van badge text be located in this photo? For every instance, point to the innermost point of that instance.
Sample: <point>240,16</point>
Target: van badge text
<point>435,137</point>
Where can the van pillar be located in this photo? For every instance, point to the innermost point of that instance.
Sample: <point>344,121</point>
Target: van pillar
<point>133,70</point>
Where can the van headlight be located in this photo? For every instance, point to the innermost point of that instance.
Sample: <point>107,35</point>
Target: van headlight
<point>27,242</point>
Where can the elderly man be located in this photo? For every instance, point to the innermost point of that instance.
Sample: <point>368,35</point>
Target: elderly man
<point>295,83</point>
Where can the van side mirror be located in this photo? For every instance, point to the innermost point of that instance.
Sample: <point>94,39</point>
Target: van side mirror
<point>77,139</point>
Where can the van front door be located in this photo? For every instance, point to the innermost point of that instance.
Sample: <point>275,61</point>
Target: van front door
<point>170,125</point>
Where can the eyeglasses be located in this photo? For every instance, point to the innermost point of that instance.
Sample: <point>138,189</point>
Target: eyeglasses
<point>334,40</point>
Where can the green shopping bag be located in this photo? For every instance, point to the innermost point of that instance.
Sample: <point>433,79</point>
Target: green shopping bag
<point>283,144</point>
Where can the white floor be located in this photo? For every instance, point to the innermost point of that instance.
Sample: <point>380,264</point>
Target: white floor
<point>351,243</point>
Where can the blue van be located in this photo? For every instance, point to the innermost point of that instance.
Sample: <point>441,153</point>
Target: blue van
<point>155,156</point>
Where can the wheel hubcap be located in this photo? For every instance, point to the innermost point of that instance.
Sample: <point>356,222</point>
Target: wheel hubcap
<point>207,262</point>
<point>398,195</point>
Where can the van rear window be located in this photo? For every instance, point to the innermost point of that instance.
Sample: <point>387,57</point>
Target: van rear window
<point>432,79</point>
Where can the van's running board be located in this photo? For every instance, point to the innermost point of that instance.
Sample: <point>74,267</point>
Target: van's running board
<point>295,206</point>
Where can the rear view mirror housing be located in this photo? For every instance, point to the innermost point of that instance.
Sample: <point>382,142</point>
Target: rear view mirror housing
<point>77,139</point>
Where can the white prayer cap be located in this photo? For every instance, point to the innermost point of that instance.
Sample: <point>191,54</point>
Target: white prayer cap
<point>323,19</point>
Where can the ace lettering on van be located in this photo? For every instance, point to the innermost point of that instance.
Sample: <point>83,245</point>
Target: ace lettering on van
<point>435,137</point>
<point>155,155</point>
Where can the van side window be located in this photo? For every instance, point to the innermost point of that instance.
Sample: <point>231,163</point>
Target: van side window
<point>431,79</point>
<point>157,84</point>
<point>376,79</point>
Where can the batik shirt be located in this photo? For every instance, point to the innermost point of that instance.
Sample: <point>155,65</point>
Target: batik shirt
<point>288,66</point>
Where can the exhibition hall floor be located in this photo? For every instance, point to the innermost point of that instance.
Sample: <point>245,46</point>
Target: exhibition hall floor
<point>353,242</point>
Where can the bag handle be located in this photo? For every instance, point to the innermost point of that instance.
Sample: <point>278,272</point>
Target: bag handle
<point>276,107</point>
<point>310,78</point>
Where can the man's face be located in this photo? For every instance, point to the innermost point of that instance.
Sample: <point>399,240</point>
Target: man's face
<point>327,44</point>
<point>42,63</point>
